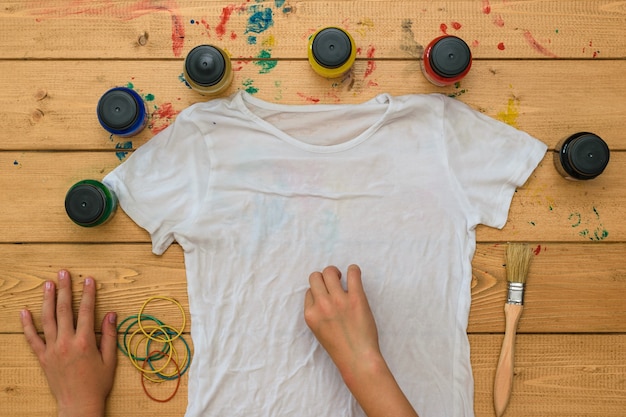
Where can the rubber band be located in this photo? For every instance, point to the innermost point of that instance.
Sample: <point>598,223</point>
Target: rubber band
<point>136,334</point>
<point>133,356</point>
<point>161,297</point>
<point>185,364</point>
<point>143,383</point>
<point>130,326</point>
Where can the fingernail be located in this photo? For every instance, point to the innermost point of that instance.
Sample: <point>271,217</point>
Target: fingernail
<point>112,318</point>
<point>23,314</point>
<point>88,281</point>
<point>49,285</point>
<point>62,274</point>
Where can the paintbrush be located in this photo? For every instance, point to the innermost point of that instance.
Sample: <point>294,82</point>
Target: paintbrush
<point>518,257</point>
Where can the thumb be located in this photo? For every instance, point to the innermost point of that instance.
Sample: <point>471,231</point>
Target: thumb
<point>108,342</point>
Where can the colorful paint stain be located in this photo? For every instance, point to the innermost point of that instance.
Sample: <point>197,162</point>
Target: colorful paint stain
<point>181,78</point>
<point>530,39</point>
<point>124,11</point>
<point>458,90</point>
<point>364,26</point>
<point>537,250</point>
<point>121,155</point>
<point>498,21</point>
<point>593,229</point>
<point>371,64</point>
<point>511,113</point>
<point>227,12</point>
<point>501,46</point>
<point>249,87</point>
<point>162,117</point>
<point>260,20</point>
<point>265,62</point>
<point>408,42</point>
<point>309,99</point>
<point>486,7</point>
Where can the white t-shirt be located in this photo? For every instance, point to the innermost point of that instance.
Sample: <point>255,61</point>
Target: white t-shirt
<point>259,195</point>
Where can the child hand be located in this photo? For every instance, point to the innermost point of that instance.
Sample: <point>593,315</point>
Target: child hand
<point>79,373</point>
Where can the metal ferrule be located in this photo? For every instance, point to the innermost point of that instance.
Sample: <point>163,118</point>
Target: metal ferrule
<point>516,293</point>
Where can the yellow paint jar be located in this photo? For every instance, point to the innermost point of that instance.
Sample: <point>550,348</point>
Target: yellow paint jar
<point>208,70</point>
<point>332,52</point>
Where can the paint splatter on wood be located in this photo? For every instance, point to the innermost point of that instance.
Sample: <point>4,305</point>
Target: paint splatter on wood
<point>530,39</point>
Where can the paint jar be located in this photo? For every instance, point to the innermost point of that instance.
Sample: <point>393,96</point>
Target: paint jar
<point>122,112</point>
<point>90,203</point>
<point>446,60</point>
<point>208,70</point>
<point>581,156</point>
<point>332,52</point>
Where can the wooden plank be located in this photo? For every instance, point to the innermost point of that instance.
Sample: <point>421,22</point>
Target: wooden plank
<point>547,209</point>
<point>587,280</point>
<point>548,99</point>
<point>168,29</point>
<point>555,376</point>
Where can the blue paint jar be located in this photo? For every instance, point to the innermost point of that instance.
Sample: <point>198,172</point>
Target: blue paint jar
<point>122,112</point>
<point>90,203</point>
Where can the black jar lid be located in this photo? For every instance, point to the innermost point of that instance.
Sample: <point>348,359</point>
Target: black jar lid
<point>85,204</point>
<point>450,56</point>
<point>588,155</point>
<point>331,47</point>
<point>118,109</point>
<point>205,65</point>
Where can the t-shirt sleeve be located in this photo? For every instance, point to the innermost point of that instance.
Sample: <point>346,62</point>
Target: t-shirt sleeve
<point>489,160</point>
<point>163,183</point>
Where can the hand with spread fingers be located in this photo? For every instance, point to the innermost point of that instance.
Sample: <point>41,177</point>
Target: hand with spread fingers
<point>80,374</point>
<point>343,323</point>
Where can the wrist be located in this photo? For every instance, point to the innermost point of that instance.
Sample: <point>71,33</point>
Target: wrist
<point>92,410</point>
<point>366,366</point>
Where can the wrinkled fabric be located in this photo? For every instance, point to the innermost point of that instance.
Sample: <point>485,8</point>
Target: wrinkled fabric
<point>259,195</point>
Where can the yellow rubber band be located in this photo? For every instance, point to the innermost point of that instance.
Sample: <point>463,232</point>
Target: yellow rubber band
<point>161,297</point>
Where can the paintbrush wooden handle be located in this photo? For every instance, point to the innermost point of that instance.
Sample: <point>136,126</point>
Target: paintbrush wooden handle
<point>504,372</point>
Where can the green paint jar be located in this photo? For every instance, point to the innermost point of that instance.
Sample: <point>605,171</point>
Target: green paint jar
<point>208,70</point>
<point>89,203</point>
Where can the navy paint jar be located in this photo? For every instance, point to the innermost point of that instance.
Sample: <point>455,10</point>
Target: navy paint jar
<point>122,112</point>
<point>90,203</point>
<point>581,156</point>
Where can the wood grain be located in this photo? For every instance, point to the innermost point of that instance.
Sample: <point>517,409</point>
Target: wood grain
<point>541,29</point>
<point>555,376</point>
<point>58,111</point>
<point>587,278</point>
<point>548,67</point>
<point>548,208</point>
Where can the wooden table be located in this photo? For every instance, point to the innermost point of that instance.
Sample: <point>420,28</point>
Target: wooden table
<point>549,67</point>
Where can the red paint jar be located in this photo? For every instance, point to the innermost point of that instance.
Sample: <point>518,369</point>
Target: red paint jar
<point>446,60</point>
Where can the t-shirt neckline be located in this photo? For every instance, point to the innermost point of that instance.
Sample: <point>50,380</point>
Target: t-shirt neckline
<point>243,97</point>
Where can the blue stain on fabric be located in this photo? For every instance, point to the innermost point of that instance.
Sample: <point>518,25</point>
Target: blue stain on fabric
<point>260,21</point>
<point>279,3</point>
<point>251,40</point>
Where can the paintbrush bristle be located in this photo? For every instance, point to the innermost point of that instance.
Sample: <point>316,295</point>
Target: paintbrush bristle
<point>518,256</point>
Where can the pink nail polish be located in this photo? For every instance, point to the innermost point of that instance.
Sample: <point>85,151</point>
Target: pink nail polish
<point>49,285</point>
<point>112,318</point>
<point>88,281</point>
<point>62,274</point>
